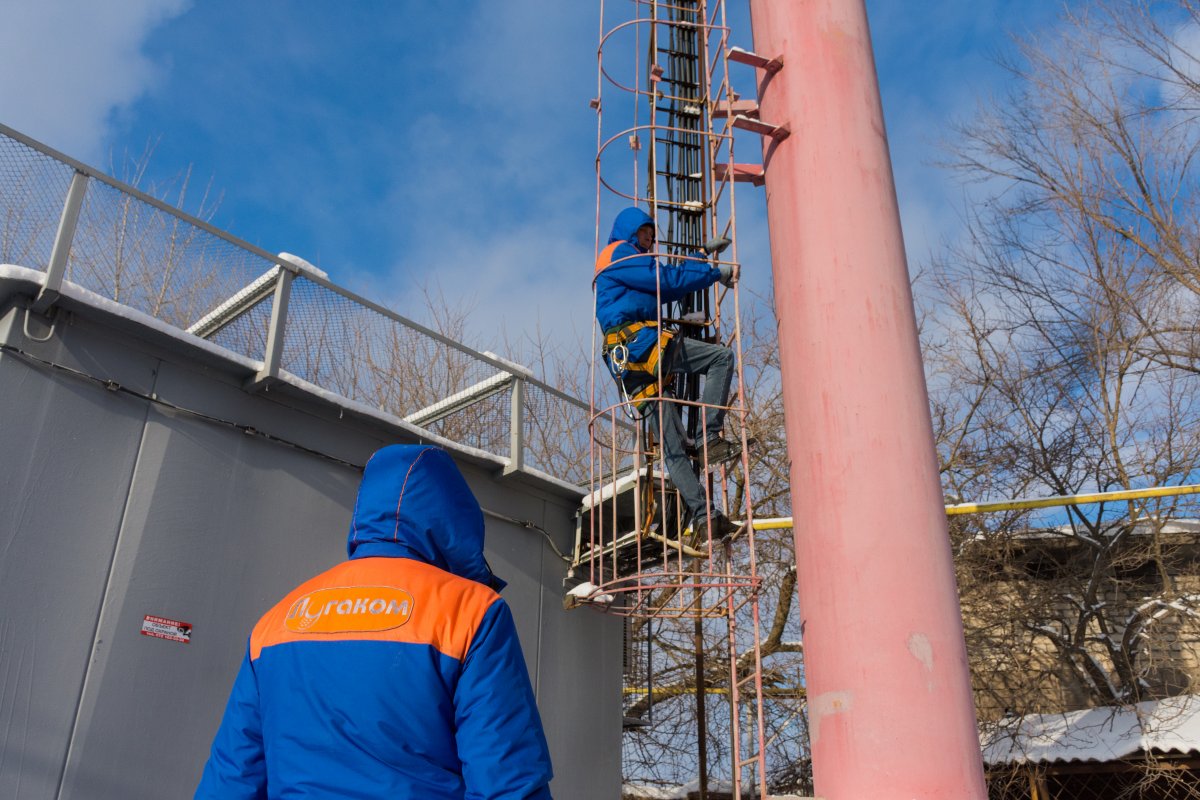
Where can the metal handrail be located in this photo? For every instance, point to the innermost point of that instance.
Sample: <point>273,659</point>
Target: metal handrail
<point>92,172</point>
<point>285,271</point>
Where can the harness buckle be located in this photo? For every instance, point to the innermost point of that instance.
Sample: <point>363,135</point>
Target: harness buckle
<point>618,356</point>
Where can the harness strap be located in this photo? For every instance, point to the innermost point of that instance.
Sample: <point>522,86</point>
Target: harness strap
<point>623,334</point>
<point>638,379</point>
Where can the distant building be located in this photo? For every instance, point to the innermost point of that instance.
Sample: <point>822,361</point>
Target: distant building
<point>1067,630</point>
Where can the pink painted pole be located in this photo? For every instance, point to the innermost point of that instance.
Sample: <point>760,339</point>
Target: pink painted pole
<point>890,707</point>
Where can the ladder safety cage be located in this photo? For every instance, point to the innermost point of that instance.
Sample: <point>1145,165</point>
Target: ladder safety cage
<point>671,118</point>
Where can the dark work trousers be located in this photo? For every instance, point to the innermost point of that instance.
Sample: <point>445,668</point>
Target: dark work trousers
<point>715,363</point>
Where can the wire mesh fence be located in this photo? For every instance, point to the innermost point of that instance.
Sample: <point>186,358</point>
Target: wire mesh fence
<point>135,250</point>
<point>148,259</point>
<point>246,334</point>
<point>32,188</point>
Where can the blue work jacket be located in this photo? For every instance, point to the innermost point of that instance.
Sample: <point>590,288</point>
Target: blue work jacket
<point>396,674</point>
<point>631,286</point>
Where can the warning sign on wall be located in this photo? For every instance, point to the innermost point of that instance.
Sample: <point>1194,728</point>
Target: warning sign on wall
<point>163,628</point>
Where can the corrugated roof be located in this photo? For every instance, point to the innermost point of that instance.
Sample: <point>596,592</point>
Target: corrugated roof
<point>1095,734</point>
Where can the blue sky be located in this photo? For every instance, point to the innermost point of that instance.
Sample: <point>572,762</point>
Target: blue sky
<point>398,144</point>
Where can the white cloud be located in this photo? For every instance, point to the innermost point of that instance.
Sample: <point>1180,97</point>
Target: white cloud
<point>67,65</point>
<point>516,282</point>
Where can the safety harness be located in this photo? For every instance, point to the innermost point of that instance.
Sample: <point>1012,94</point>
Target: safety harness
<point>638,380</point>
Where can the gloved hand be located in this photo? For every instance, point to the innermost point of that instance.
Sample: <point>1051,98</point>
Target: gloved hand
<point>729,274</point>
<point>716,245</point>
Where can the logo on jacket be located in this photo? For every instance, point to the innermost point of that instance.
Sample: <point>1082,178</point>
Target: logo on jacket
<point>350,609</point>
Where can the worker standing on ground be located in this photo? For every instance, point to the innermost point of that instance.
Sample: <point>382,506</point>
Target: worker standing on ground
<point>630,290</point>
<point>395,674</point>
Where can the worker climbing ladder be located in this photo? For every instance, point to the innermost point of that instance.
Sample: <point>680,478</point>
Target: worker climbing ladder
<point>670,116</point>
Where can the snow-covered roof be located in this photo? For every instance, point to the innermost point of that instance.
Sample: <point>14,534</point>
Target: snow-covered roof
<point>622,484</point>
<point>80,297</point>
<point>1095,734</point>
<point>1143,527</point>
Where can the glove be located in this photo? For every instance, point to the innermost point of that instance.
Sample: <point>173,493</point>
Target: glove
<point>714,246</point>
<point>728,274</point>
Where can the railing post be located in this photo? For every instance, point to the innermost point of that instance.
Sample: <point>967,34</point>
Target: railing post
<point>275,334</point>
<point>59,255</point>
<point>516,432</point>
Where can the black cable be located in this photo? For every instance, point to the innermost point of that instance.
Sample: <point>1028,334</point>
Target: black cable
<point>524,523</point>
<point>113,386</point>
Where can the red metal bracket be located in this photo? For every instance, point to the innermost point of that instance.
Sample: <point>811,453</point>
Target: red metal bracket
<point>734,108</point>
<point>768,65</point>
<point>741,173</point>
<point>777,132</point>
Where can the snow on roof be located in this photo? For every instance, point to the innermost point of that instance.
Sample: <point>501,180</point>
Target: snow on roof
<point>1095,734</point>
<point>1067,534</point>
<point>621,484</point>
<point>304,266</point>
<point>87,298</point>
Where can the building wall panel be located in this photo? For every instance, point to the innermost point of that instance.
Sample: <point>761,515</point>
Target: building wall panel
<point>114,507</point>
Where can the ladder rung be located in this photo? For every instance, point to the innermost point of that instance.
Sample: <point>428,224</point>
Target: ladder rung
<point>734,108</point>
<point>762,128</point>
<point>684,145</point>
<point>677,176</point>
<point>752,173</point>
<point>747,762</point>
<point>754,59</point>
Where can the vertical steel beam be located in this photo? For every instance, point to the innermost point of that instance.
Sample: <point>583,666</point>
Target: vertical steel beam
<point>59,255</point>
<point>890,706</point>
<point>273,351</point>
<point>516,431</point>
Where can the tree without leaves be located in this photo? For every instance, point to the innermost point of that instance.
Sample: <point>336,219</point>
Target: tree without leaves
<point>1063,355</point>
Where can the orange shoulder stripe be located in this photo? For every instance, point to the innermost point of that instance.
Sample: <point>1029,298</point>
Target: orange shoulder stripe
<point>379,599</point>
<point>605,257</point>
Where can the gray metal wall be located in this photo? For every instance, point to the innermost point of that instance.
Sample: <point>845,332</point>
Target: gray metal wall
<point>113,507</point>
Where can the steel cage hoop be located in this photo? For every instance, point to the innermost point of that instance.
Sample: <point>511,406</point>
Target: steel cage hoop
<point>647,127</point>
<point>728,589</point>
<point>658,94</point>
<point>660,254</point>
<point>611,409</point>
<point>632,22</point>
<point>732,587</point>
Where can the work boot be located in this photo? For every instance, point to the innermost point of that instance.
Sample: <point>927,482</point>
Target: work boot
<point>720,449</point>
<point>722,526</point>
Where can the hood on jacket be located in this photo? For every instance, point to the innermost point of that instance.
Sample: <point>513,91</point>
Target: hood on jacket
<point>625,226</point>
<point>414,503</point>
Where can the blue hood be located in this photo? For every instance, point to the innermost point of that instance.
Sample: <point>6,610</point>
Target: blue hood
<point>626,225</point>
<point>414,503</point>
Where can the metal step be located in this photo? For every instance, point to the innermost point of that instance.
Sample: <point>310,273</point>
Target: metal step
<point>768,65</point>
<point>778,132</point>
